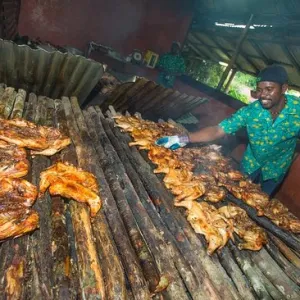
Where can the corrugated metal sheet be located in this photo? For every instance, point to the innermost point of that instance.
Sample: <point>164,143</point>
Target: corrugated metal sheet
<point>151,100</point>
<point>52,74</point>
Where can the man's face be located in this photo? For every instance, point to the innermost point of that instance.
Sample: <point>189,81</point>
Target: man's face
<point>270,93</point>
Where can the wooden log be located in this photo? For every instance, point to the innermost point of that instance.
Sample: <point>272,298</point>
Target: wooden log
<point>15,261</point>
<point>275,274</point>
<point>29,113</point>
<point>90,273</point>
<point>110,261</point>
<point>40,240</point>
<point>7,102</point>
<point>66,284</point>
<point>186,238</point>
<point>130,261</point>
<point>2,89</point>
<point>251,272</point>
<point>152,236</point>
<point>19,104</point>
<point>287,252</point>
<point>264,222</point>
<point>186,271</point>
<point>289,269</point>
<point>110,164</point>
<point>241,282</point>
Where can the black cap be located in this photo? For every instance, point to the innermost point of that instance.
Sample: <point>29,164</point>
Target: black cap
<point>274,73</point>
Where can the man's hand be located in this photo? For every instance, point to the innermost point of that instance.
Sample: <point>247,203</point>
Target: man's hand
<point>172,142</point>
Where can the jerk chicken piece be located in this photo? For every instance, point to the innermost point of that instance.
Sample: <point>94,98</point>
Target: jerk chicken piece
<point>182,184</point>
<point>166,159</point>
<point>205,219</point>
<point>16,191</point>
<point>177,177</point>
<point>280,215</point>
<point>248,192</point>
<point>188,191</point>
<point>16,197</point>
<point>70,182</point>
<point>254,237</point>
<point>40,139</point>
<point>213,193</point>
<point>13,161</point>
<point>18,224</point>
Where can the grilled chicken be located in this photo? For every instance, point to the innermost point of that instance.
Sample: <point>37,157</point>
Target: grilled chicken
<point>16,191</point>
<point>205,219</point>
<point>40,139</point>
<point>280,215</point>
<point>16,198</point>
<point>166,159</point>
<point>18,224</point>
<point>250,193</point>
<point>254,237</point>
<point>70,182</point>
<point>13,162</point>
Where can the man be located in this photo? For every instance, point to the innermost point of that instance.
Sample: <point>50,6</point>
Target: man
<point>272,123</point>
<point>171,65</point>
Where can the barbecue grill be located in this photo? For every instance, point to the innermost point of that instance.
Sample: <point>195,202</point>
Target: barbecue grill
<point>139,245</point>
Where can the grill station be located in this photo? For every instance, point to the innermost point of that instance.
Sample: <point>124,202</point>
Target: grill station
<point>139,245</point>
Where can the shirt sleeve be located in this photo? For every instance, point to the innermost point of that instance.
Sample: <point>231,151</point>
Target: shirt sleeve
<point>237,121</point>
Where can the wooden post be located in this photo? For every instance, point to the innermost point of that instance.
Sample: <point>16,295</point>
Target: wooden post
<point>233,72</point>
<point>236,53</point>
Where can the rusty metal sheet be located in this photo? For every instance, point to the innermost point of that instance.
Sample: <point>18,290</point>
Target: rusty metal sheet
<point>52,74</point>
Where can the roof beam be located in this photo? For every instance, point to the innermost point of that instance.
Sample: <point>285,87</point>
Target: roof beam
<point>241,53</point>
<point>236,53</point>
<point>197,51</point>
<point>260,52</point>
<point>211,54</point>
<point>227,52</point>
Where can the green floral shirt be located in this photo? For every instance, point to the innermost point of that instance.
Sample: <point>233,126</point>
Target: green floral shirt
<point>271,144</point>
<point>171,65</point>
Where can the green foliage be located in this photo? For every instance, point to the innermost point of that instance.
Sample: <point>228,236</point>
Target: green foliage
<point>207,72</point>
<point>236,94</point>
<point>210,73</point>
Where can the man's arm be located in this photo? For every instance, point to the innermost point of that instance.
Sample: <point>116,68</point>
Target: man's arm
<point>207,134</point>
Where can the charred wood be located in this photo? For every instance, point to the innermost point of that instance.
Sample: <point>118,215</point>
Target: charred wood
<point>15,263</point>
<point>40,240</point>
<point>19,104</point>
<point>89,269</point>
<point>129,259</point>
<point>187,241</point>
<point>264,222</point>
<point>287,252</point>
<point>7,102</point>
<point>275,274</point>
<point>149,232</point>
<point>290,270</point>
